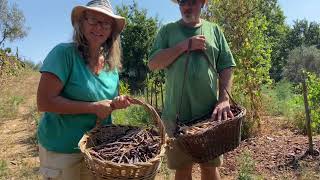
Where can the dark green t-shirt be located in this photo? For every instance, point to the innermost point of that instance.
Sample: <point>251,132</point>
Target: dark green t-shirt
<point>62,132</point>
<point>199,95</point>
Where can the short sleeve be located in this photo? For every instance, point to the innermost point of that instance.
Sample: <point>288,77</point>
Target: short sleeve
<point>58,63</point>
<point>225,59</point>
<point>159,43</point>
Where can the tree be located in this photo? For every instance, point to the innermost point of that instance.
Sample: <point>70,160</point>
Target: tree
<point>299,59</point>
<point>136,40</point>
<point>246,28</point>
<point>276,31</point>
<point>302,33</point>
<point>11,22</point>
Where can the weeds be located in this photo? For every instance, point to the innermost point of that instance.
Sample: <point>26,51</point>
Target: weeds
<point>246,167</point>
<point>281,100</point>
<point>9,107</point>
<point>3,168</point>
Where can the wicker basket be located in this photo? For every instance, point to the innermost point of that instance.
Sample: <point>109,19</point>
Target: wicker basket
<point>217,139</point>
<point>121,171</point>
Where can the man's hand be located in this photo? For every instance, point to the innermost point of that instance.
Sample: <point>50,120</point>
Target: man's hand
<point>198,43</point>
<point>222,111</point>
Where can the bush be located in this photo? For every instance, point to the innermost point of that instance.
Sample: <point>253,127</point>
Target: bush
<point>282,100</point>
<point>124,88</point>
<point>313,84</point>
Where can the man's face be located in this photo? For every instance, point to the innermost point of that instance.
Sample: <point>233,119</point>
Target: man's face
<point>190,10</point>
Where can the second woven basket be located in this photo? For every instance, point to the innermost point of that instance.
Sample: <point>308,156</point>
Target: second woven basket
<point>217,139</point>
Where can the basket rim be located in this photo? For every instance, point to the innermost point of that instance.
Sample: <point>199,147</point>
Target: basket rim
<point>157,121</point>
<point>239,116</point>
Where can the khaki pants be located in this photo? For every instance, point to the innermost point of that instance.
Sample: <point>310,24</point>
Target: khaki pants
<point>58,166</point>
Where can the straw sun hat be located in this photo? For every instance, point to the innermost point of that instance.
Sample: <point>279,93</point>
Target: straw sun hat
<point>102,6</point>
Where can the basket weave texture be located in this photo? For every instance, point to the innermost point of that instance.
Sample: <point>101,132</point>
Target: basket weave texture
<point>217,138</point>
<point>121,171</point>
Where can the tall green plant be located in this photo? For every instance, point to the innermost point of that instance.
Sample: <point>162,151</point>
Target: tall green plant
<point>136,41</point>
<point>245,28</point>
<point>313,84</point>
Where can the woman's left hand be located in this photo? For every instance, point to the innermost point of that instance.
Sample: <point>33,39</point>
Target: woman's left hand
<point>120,102</point>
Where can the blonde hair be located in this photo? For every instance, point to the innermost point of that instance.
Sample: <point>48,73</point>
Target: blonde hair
<point>110,49</point>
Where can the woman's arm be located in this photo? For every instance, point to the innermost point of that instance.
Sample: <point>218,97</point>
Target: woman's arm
<point>49,100</point>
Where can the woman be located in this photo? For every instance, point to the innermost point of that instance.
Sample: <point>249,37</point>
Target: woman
<point>78,87</point>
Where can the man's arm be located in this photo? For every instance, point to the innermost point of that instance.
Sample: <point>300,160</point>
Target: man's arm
<point>222,110</point>
<point>165,57</point>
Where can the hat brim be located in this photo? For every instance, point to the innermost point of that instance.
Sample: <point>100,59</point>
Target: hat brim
<point>78,10</point>
<point>175,1</point>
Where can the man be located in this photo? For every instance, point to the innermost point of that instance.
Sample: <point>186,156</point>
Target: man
<point>191,82</point>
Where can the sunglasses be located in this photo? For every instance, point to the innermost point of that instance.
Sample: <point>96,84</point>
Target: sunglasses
<point>185,2</point>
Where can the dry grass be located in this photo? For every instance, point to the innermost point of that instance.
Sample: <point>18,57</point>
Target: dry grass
<point>19,153</point>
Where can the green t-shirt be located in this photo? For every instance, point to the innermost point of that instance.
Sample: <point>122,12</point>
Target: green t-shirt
<point>200,90</point>
<point>62,132</point>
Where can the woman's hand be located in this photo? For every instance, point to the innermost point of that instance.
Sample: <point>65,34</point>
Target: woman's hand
<point>120,102</point>
<point>103,108</point>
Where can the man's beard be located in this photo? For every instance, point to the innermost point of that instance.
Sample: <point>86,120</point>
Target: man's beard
<point>189,17</point>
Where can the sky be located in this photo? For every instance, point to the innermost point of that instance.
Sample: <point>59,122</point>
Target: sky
<point>50,24</point>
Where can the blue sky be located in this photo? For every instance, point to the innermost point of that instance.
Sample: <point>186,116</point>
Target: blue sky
<point>49,21</point>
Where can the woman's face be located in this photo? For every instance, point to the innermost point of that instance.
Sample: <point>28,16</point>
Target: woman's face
<point>97,28</point>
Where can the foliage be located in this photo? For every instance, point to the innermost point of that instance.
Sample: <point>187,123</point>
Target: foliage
<point>313,84</point>
<point>134,115</point>
<point>302,33</point>
<point>302,58</point>
<point>278,99</point>
<point>276,32</point>
<point>124,88</point>
<point>155,89</point>
<point>9,65</point>
<point>3,168</point>
<point>136,41</point>
<point>9,107</point>
<point>282,99</point>
<point>31,65</point>
<point>246,166</point>
<point>11,22</point>
<point>245,27</point>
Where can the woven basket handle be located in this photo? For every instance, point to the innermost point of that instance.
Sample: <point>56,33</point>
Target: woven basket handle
<point>155,117</point>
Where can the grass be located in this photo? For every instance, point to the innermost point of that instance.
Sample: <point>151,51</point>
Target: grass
<point>134,115</point>
<point>9,106</point>
<point>282,100</point>
<point>3,168</point>
<point>18,120</point>
<point>16,92</point>
<point>246,167</point>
